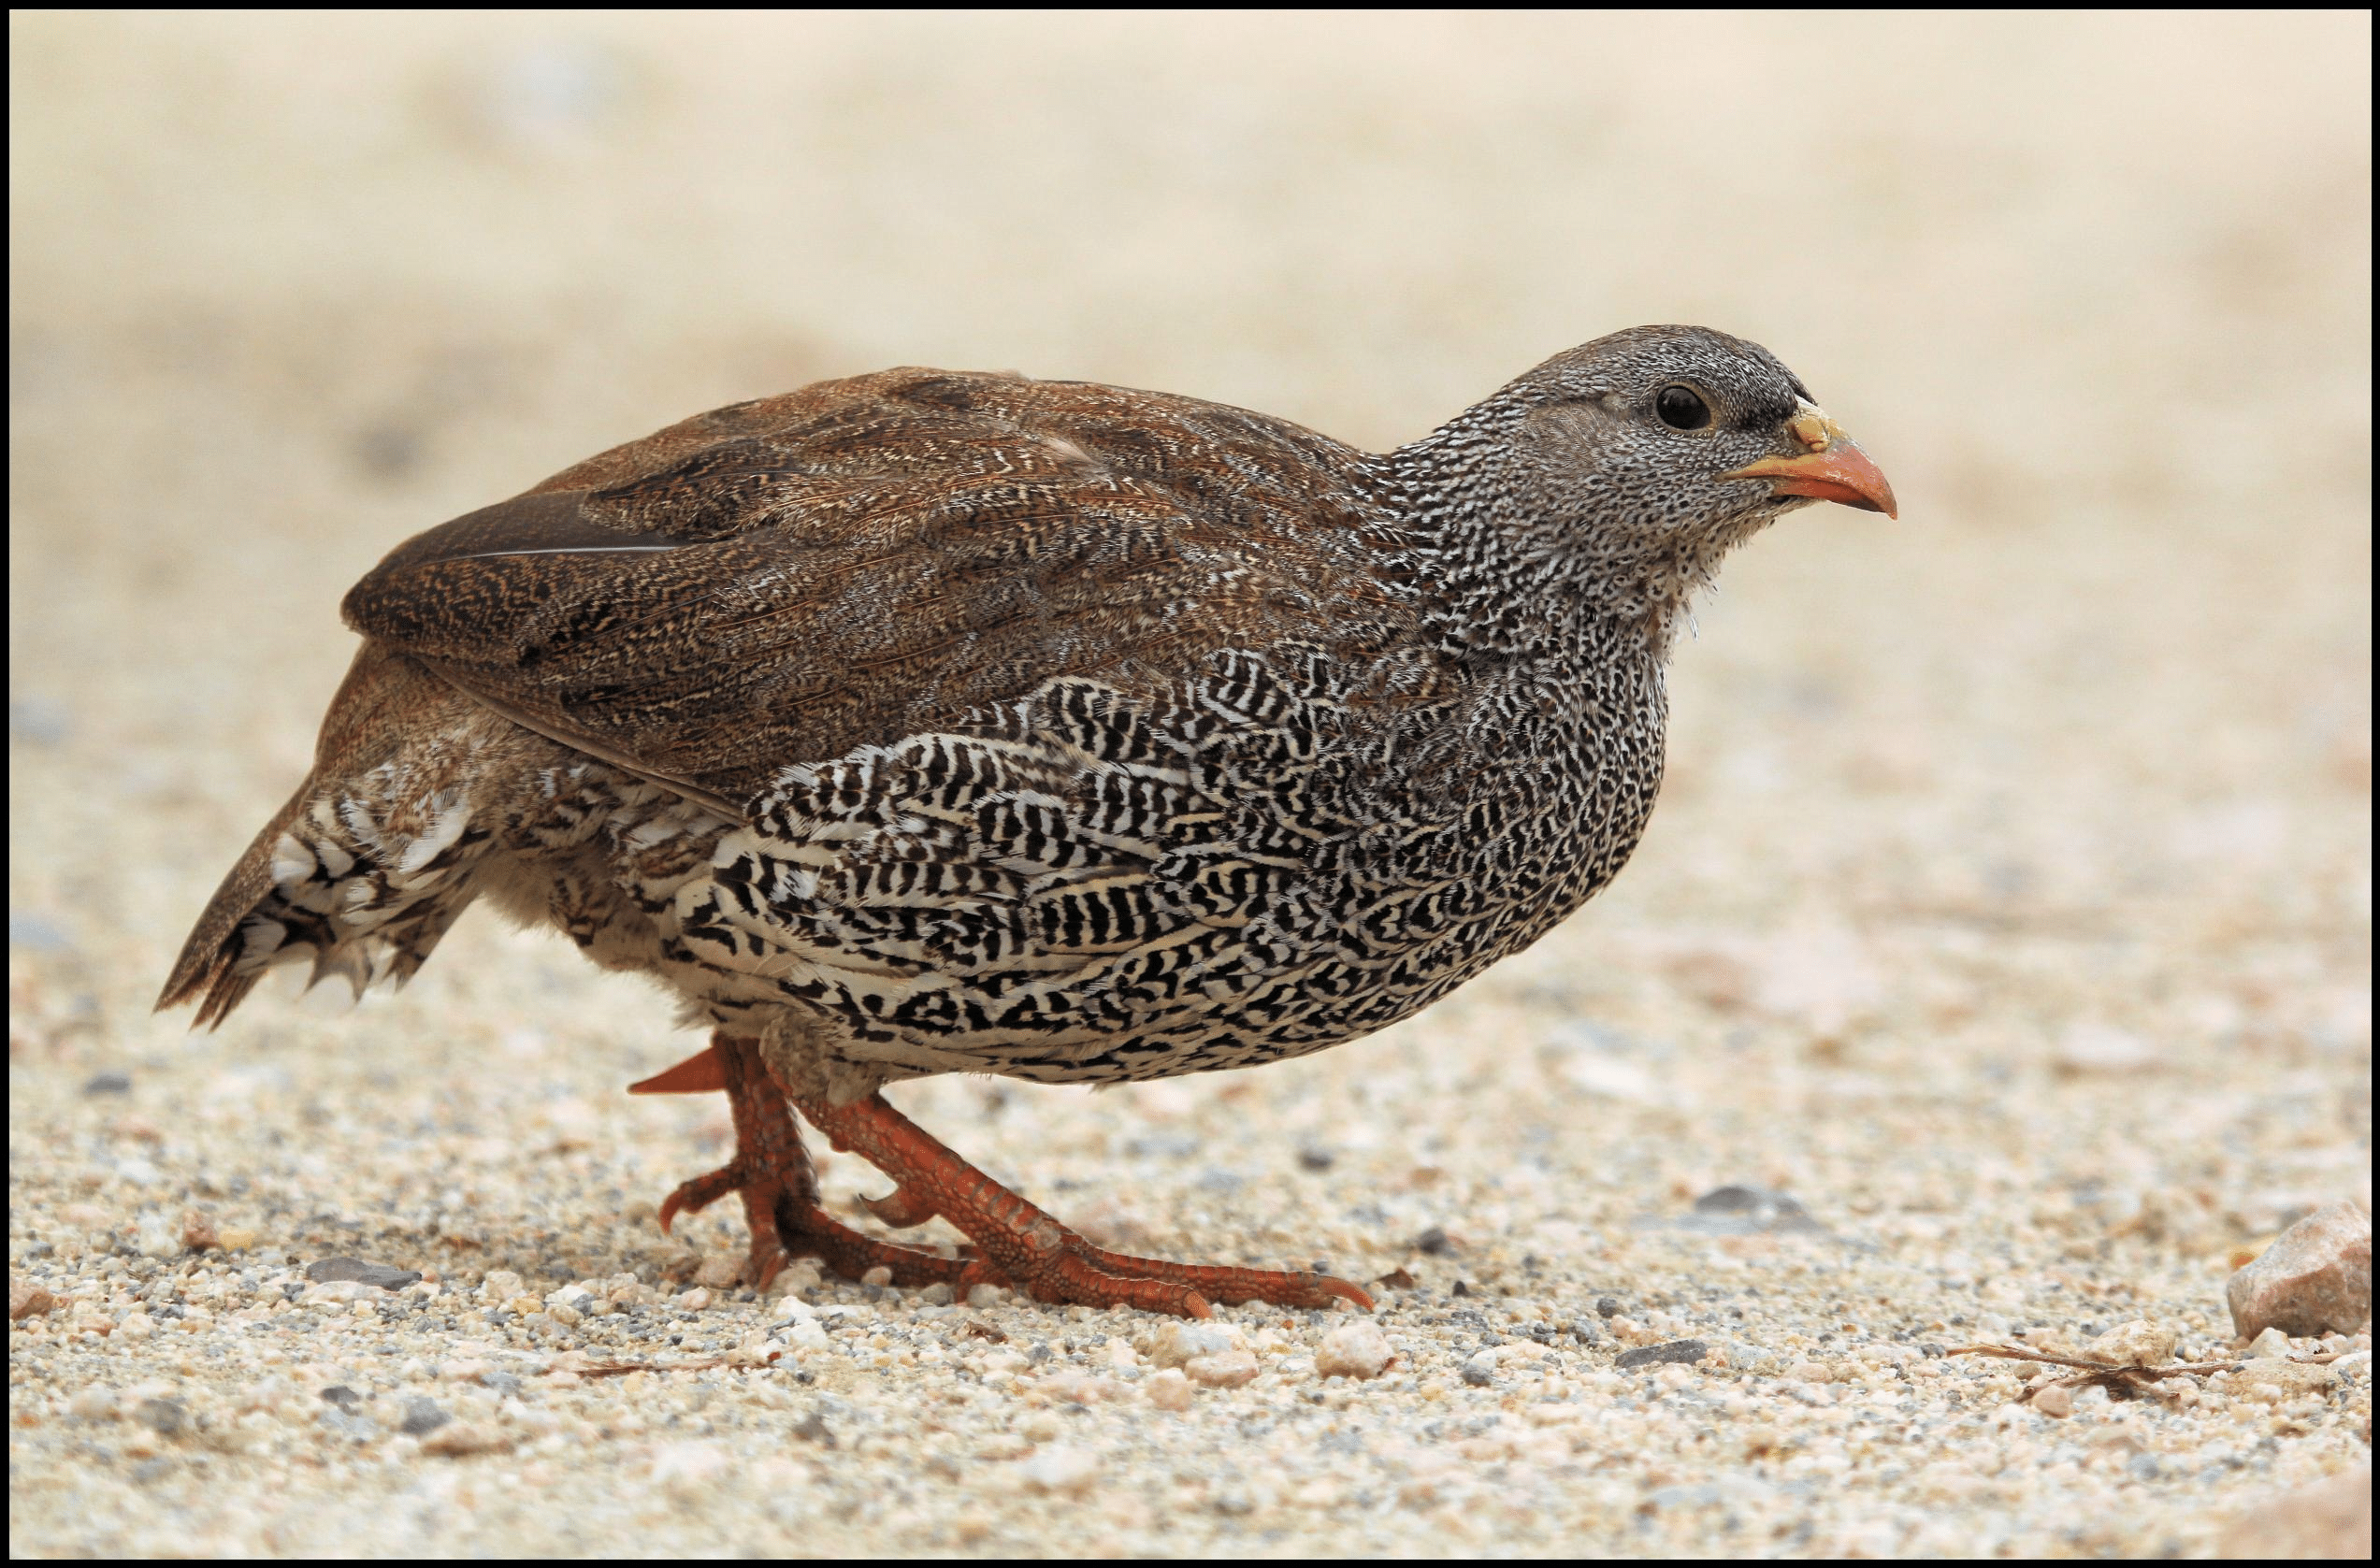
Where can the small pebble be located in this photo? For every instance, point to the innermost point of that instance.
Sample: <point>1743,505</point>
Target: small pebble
<point>422,1416</point>
<point>2136,1344</point>
<point>355,1271</point>
<point>1226,1368</point>
<point>2055,1400</point>
<point>456,1439</point>
<point>1184,1339</point>
<point>984,1297</point>
<point>199,1234</point>
<point>1682,1351</point>
<point>167,1417</point>
<point>1357,1349</point>
<point>686,1469</point>
<point>720,1272</point>
<point>108,1083</point>
<point>158,1237</point>
<point>1479,1370</point>
<point>878,1276</point>
<point>1060,1468</point>
<point>28,1300</point>
<point>2275,1379</point>
<point>1168,1389</point>
<point>1747,1211</point>
<point>95,1405</point>
<point>2087,1047</point>
<point>695,1300</point>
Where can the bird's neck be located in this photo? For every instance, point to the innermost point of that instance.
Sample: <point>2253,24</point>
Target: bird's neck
<point>1503,578</point>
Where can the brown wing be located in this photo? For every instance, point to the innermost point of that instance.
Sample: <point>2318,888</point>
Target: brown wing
<point>781,581</point>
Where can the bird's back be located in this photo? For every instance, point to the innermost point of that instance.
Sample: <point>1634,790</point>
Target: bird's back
<point>780,581</point>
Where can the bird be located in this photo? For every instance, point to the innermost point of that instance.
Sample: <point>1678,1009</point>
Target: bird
<point>927,722</point>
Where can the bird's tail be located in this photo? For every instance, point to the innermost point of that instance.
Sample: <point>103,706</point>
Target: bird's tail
<point>368,864</point>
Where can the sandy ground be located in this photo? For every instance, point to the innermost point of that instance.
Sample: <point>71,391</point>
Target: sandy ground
<point>2008,908</point>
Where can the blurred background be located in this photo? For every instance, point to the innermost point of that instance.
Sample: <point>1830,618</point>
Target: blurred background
<point>2011,889</point>
<point>2080,742</point>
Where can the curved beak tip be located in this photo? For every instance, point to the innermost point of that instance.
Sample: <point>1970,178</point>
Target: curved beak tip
<point>1842,473</point>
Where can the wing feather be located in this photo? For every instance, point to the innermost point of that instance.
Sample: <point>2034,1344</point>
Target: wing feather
<point>784,580</point>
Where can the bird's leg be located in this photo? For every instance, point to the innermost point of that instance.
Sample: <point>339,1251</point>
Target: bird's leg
<point>1030,1249</point>
<point>771,1173</point>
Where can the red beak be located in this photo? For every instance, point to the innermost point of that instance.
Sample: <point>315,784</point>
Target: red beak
<point>1841,472</point>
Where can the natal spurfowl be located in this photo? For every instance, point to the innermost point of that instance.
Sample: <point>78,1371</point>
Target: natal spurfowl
<point>936,722</point>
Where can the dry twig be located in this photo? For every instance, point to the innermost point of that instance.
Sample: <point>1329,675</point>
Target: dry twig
<point>2119,1380</point>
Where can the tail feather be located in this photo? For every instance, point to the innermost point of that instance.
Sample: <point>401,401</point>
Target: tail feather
<point>207,971</point>
<point>367,865</point>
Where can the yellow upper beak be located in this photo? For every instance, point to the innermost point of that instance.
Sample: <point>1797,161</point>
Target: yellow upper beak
<point>1832,469</point>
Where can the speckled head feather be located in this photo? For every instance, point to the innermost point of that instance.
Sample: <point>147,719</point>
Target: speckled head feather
<point>1566,495</point>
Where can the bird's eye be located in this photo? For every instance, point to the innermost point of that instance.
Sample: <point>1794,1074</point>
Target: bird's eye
<point>1682,407</point>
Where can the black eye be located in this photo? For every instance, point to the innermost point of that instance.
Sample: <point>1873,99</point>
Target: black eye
<point>1681,408</point>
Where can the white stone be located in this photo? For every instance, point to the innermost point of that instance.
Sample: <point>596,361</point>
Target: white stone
<point>159,1238</point>
<point>1060,1468</point>
<point>1358,1349</point>
<point>1183,1339</point>
<point>1168,1389</point>
<point>1227,1369</point>
<point>2137,1343</point>
<point>684,1469</point>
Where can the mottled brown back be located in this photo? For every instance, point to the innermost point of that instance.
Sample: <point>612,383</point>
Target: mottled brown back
<point>873,557</point>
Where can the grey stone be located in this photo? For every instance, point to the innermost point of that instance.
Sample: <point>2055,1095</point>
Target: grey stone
<point>1684,1352</point>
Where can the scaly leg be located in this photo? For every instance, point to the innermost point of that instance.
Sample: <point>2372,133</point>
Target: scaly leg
<point>771,1173</point>
<point>1027,1246</point>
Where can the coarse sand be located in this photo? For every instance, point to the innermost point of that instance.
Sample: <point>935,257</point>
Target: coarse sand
<point>1997,969</point>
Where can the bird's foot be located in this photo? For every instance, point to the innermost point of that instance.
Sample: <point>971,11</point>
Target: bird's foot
<point>1022,1246</point>
<point>771,1173</point>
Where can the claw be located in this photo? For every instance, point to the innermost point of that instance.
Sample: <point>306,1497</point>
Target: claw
<point>901,1207</point>
<point>702,1073</point>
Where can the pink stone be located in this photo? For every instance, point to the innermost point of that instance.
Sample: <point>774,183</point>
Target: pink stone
<point>2315,1279</point>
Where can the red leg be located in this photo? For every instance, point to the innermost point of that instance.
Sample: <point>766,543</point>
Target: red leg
<point>771,1173</point>
<point>1049,1261</point>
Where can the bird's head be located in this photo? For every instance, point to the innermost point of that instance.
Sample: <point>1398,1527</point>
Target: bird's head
<point>1627,467</point>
